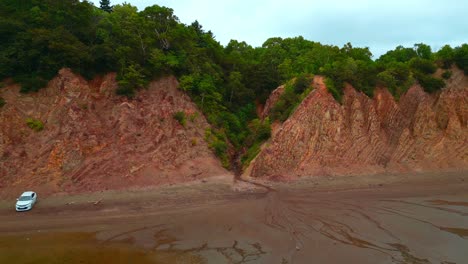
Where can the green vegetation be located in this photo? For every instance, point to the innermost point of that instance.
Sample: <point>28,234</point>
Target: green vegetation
<point>217,142</point>
<point>105,6</point>
<point>226,83</point>
<point>447,74</point>
<point>35,124</point>
<point>2,102</point>
<point>294,92</point>
<point>180,116</point>
<point>259,132</point>
<point>193,117</point>
<point>332,89</point>
<point>461,57</point>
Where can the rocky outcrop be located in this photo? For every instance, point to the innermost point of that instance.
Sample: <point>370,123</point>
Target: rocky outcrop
<point>421,132</point>
<point>95,140</point>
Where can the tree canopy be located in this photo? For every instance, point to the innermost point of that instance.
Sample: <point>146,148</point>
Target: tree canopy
<point>105,5</point>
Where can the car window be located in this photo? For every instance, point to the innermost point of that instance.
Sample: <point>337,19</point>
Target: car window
<point>24,198</point>
<point>33,195</point>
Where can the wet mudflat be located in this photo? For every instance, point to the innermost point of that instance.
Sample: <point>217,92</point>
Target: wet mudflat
<point>422,222</point>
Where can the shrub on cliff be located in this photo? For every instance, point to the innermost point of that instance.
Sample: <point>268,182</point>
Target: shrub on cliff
<point>445,57</point>
<point>217,142</point>
<point>301,83</point>
<point>429,83</point>
<point>294,92</point>
<point>461,57</point>
<point>396,78</point>
<point>2,102</point>
<point>423,65</point>
<point>260,131</point>
<point>251,153</point>
<point>133,79</point>
<point>331,88</point>
<point>447,74</point>
<point>35,124</point>
<point>285,105</point>
<point>30,82</point>
<point>180,117</point>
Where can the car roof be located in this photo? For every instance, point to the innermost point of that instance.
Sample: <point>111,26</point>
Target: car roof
<point>28,193</point>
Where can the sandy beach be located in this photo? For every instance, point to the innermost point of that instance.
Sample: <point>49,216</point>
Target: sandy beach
<point>414,218</point>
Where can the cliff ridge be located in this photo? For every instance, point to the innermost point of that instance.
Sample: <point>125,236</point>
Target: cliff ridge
<point>420,132</point>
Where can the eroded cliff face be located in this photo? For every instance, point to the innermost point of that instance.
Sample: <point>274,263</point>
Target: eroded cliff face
<point>420,132</point>
<point>94,140</point>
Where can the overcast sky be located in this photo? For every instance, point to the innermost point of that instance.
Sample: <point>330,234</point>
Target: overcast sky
<point>380,25</point>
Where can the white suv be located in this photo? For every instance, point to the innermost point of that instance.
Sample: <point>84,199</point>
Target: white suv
<point>26,201</point>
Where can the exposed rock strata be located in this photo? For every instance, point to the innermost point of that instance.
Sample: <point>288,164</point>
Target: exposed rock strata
<point>421,132</point>
<point>94,140</point>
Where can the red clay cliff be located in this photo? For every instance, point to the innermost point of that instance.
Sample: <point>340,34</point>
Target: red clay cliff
<point>95,140</point>
<point>420,132</point>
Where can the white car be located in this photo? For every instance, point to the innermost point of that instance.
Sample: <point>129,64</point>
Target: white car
<point>26,201</point>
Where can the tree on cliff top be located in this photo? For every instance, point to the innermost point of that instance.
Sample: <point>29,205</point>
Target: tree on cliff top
<point>105,5</point>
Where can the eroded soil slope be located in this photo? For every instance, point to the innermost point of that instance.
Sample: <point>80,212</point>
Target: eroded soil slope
<point>420,132</point>
<point>95,140</point>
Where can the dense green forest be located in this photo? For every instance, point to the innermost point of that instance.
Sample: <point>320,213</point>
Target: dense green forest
<point>41,36</point>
